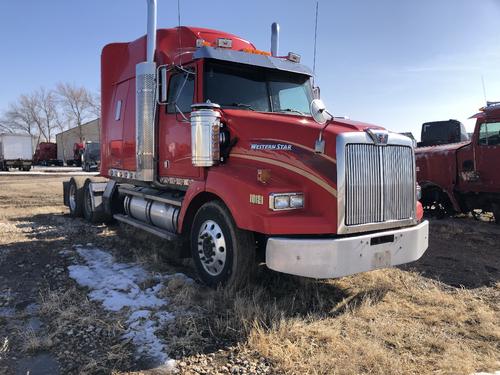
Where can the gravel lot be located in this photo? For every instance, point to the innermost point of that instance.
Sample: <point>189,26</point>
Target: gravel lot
<point>438,315</point>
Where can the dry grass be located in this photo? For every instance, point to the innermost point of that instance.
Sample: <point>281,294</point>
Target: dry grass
<point>32,342</point>
<point>412,327</point>
<point>383,322</point>
<point>4,347</point>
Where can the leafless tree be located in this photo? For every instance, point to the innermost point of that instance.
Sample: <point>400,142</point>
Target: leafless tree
<point>78,103</point>
<point>18,118</point>
<point>47,111</point>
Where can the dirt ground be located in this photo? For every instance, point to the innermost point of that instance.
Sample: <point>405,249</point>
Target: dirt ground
<point>440,315</point>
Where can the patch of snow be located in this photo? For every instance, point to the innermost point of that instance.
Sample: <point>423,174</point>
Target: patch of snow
<point>487,373</point>
<point>117,287</point>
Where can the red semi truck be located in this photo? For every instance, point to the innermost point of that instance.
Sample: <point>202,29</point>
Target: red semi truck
<point>208,141</point>
<point>461,177</point>
<point>46,154</point>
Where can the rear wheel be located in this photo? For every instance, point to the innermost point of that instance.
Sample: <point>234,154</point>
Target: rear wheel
<point>223,254</point>
<point>496,212</point>
<point>75,197</point>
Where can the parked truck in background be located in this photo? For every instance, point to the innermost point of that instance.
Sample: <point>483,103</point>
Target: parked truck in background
<point>461,177</point>
<point>16,151</point>
<point>442,132</point>
<point>210,142</point>
<point>91,156</point>
<point>76,159</point>
<point>46,155</point>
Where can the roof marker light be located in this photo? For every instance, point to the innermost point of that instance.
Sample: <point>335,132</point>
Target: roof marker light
<point>202,43</point>
<point>293,57</point>
<point>224,43</point>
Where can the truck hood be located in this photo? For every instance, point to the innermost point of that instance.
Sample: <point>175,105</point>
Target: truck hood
<point>441,148</point>
<point>291,129</point>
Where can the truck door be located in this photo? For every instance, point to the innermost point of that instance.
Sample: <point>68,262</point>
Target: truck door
<point>488,155</point>
<point>175,132</point>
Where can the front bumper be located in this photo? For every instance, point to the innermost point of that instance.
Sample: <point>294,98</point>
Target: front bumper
<point>327,258</point>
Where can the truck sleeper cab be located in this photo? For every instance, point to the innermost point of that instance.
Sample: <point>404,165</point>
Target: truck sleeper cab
<point>463,177</point>
<point>214,142</point>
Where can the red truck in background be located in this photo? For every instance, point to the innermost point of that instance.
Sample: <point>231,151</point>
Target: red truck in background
<point>46,155</point>
<point>210,142</point>
<point>464,176</point>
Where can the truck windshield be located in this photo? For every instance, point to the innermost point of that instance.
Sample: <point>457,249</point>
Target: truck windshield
<point>257,89</point>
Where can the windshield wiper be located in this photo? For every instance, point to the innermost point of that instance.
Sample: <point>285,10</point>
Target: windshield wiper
<point>242,105</point>
<point>291,110</point>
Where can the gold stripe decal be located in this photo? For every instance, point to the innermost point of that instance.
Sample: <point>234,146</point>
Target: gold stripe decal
<point>299,171</point>
<point>302,146</point>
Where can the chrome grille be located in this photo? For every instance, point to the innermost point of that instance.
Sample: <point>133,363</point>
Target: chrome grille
<point>380,183</point>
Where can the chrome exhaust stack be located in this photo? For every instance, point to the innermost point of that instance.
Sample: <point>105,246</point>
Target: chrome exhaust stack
<point>275,38</point>
<point>145,103</point>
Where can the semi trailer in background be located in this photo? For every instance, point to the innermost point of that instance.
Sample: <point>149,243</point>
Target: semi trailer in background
<point>228,151</point>
<point>463,176</point>
<point>46,155</point>
<point>16,151</point>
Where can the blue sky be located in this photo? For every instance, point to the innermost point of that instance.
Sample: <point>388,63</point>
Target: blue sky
<point>396,63</point>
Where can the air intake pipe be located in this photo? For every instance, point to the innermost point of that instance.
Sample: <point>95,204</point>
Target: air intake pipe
<point>145,103</point>
<point>275,38</point>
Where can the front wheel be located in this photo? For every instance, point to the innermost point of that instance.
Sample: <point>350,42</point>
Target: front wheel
<point>223,254</point>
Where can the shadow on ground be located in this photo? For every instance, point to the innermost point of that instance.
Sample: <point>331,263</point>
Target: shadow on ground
<point>462,253</point>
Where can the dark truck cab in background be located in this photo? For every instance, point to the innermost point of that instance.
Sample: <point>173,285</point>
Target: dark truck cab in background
<point>442,132</point>
<point>463,176</point>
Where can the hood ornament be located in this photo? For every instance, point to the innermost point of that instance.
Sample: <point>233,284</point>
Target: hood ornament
<point>379,136</point>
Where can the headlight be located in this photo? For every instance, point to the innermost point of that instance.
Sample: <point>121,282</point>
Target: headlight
<point>286,201</point>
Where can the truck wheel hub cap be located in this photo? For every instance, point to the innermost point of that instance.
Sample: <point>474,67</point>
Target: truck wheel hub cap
<point>212,247</point>
<point>72,197</point>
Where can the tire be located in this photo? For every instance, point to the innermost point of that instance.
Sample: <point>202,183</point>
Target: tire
<point>75,197</point>
<point>222,253</point>
<point>496,212</point>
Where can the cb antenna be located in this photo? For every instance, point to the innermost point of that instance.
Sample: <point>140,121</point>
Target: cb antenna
<point>315,37</point>
<point>179,28</point>
<point>484,90</point>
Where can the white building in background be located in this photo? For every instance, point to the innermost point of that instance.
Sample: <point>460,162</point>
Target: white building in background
<point>65,140</point>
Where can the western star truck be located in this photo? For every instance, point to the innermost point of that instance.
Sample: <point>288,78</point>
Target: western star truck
<point>225,148</point>
<point>464,176</point>
<point>16,151</point>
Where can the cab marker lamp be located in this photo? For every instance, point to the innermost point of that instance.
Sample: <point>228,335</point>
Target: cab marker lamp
<point>286,201</point>
<point>293,57</point>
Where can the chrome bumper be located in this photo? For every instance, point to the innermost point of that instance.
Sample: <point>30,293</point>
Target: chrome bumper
<point>327,258</point>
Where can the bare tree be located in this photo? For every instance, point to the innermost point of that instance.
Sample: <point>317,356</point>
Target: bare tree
<point>18,118</point>
<point>4,128</point>
<point>78,104</point>
<point>48,111</point>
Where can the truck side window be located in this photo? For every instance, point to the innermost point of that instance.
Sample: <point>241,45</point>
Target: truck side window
<point>483,134</point>
<point>489,134</point>
<point>180,92</point>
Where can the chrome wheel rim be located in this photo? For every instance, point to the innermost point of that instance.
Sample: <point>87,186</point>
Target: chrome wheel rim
<point>72,197</point>
<point>212,249</point>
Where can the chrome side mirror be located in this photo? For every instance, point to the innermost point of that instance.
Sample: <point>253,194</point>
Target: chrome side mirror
<point>319,112</point>
<point>321,116</point>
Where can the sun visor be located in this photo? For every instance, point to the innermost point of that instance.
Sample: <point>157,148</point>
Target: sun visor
<point>251,59</point>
